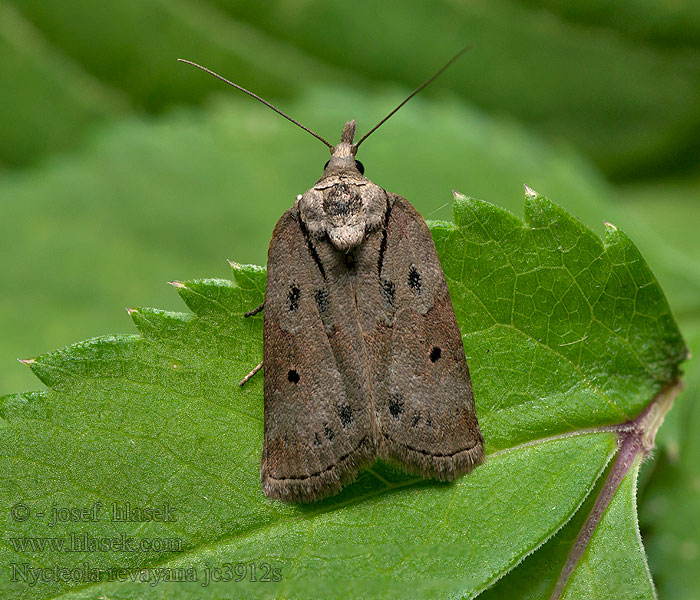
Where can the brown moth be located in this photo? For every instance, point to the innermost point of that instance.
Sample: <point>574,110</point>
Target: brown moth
<point>363,357</point>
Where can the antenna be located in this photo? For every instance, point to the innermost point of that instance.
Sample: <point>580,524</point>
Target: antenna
<point>265,102</point>
<point>413,93</point>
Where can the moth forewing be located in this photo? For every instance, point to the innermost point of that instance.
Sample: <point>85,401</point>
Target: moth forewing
<point>363,357</point>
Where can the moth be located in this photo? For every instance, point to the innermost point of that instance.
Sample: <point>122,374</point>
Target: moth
<point>363,358</point>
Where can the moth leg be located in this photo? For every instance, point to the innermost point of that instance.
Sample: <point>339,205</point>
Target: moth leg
<point>255,311</point>
<point>249,375</point>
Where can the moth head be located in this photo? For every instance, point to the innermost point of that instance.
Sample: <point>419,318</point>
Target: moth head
<point>343,155</point>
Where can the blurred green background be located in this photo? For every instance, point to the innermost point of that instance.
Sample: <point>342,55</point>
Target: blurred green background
<point>121,169</point>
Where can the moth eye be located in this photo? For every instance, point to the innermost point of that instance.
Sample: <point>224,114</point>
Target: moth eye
<point>360,167</point>
<point>435,354</point>
<point>293,376</point>
<point>326,165</point>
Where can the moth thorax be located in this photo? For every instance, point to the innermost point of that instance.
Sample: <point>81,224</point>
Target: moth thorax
<point>342,200</point>
<point>345,215</point>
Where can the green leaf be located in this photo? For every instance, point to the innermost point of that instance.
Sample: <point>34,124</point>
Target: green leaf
<point>613,566</point>
<point>669,500</point>
<point>572,349</point>
<point>670,509</point>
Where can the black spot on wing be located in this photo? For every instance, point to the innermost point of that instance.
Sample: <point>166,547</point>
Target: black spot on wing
<point>388,291</point>
<point>322,300</point>
<point>293,296</point>
<point>293,376</point>
<point>415,282</point>
<point>345,414</point>
<point>396,405</point>
<point>382,247</point>
<point>435,354</point>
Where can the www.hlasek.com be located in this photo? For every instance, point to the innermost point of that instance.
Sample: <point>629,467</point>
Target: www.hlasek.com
<point>85,542</point>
